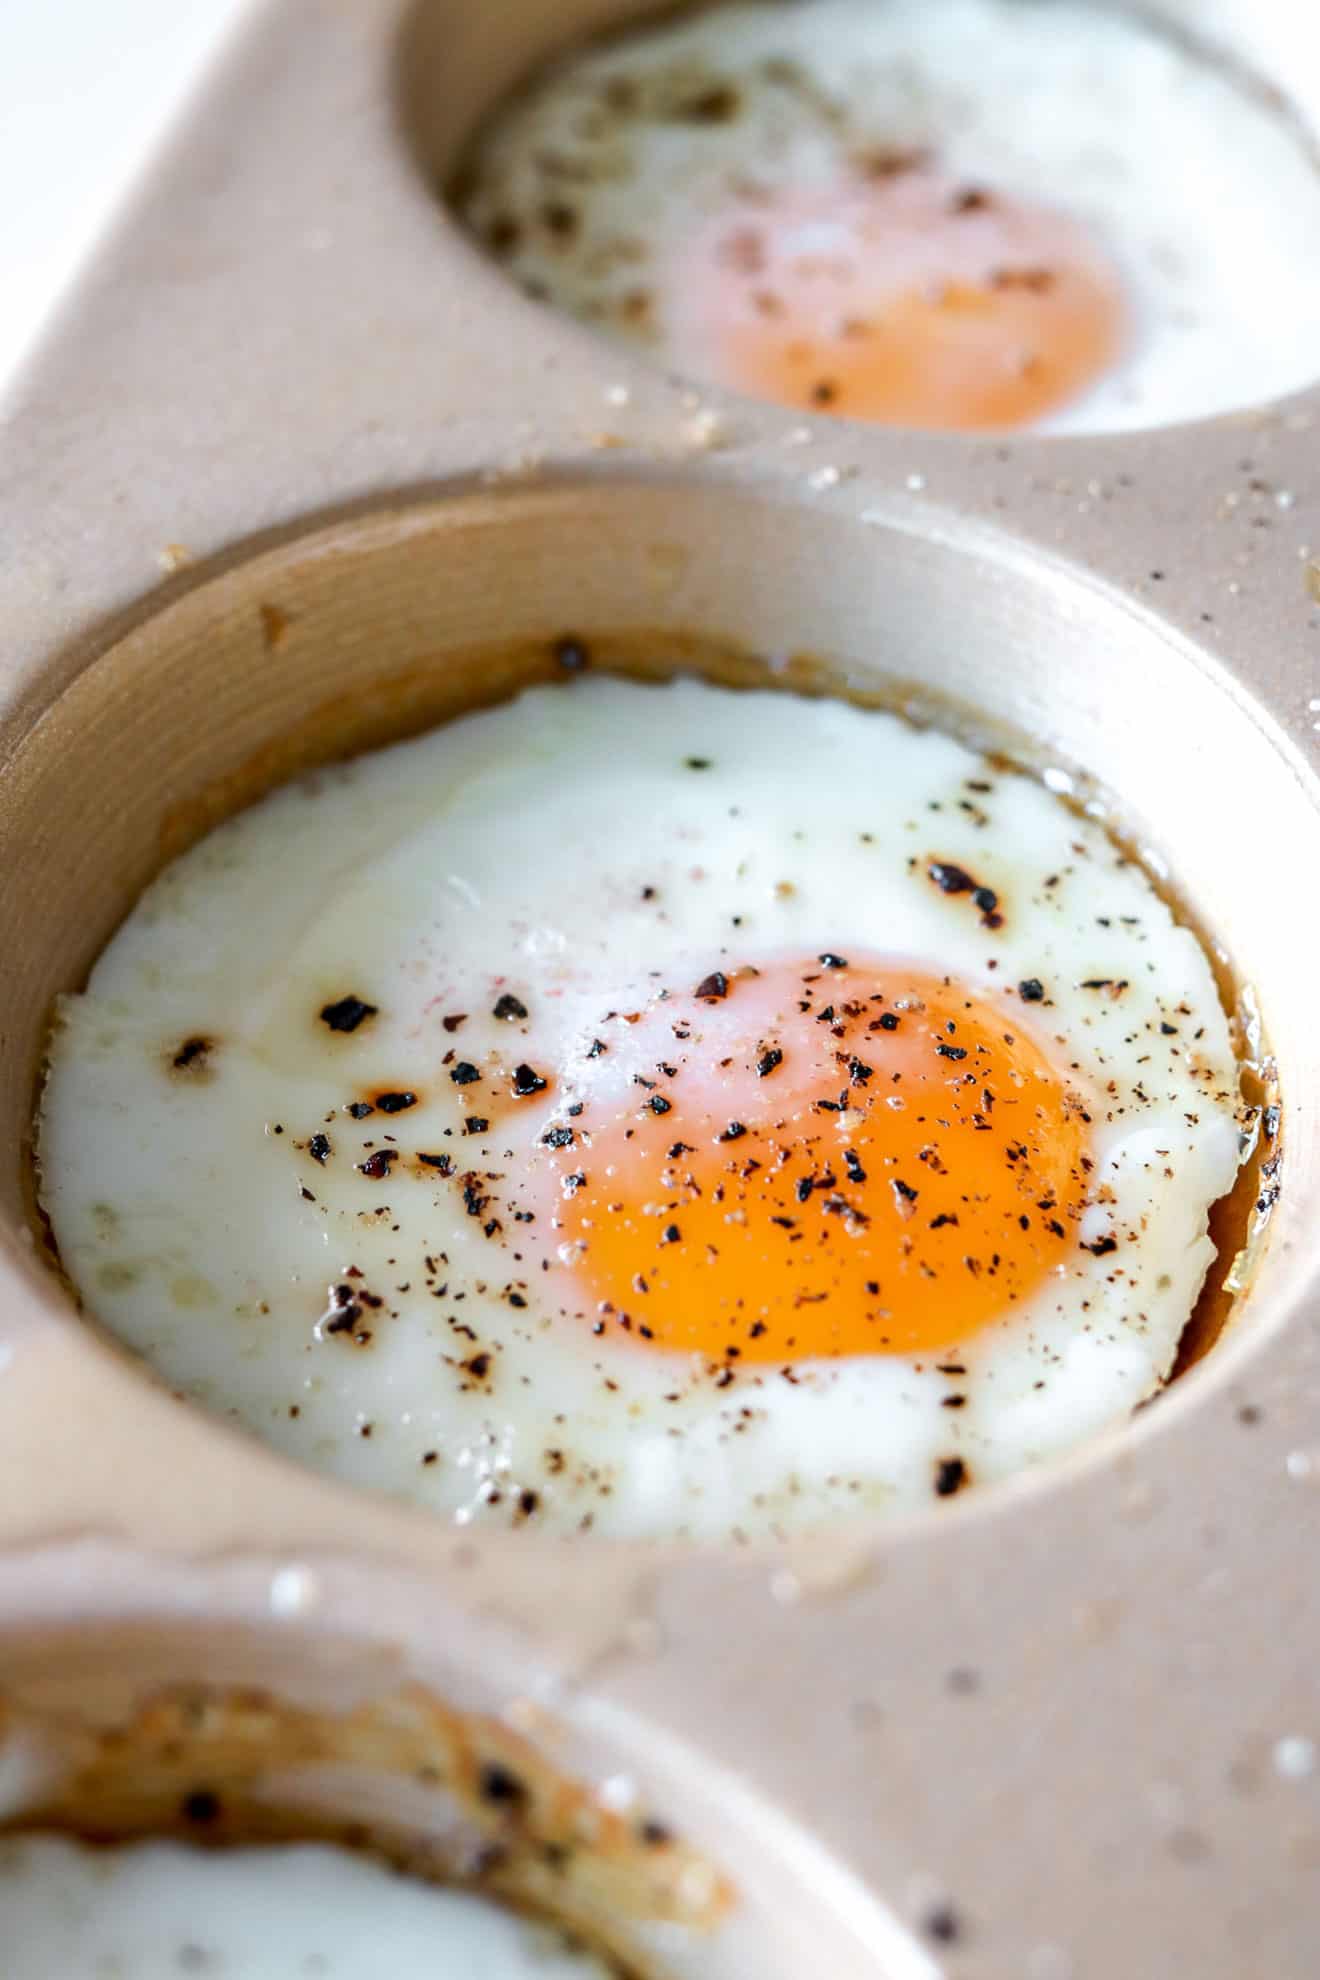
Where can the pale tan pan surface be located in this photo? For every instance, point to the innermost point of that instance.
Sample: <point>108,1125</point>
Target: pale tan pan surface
<point>292,450</point>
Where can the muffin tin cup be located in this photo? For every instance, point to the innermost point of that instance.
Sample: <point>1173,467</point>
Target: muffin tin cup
<point>299,472</point>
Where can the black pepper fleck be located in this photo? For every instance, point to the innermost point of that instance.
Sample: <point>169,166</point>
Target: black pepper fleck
<point>572,655</point>
<point>191,1055</point>
<point>500,1783</point>
<point>943,1924</point>
<point>347,1014</point>
<point>951,879</point>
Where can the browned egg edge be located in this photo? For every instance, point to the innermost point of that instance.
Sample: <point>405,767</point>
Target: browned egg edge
<point>202,1764</point>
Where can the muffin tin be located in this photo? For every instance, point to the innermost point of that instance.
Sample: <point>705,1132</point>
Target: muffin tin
<point>297,472</point>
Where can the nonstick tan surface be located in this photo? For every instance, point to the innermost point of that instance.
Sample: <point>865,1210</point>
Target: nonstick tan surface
<point>292,458</point>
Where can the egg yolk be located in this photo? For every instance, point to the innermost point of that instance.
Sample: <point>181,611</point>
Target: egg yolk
<point>902,297</point>
<point>822,1158</point>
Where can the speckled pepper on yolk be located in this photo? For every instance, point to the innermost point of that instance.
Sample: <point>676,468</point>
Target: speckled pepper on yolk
<point>826,1157</point>
<point>904,297</point>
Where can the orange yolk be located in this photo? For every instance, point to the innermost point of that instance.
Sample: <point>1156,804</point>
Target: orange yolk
<point>902,297</point>
<point>823,1160</point>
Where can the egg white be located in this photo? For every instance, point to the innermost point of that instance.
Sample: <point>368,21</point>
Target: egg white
<point>1201,193</point>
<point>151,1911</point>
<point>513,851</point>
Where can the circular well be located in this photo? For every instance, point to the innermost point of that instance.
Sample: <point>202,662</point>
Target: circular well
<point>208,1707</point>
<point>968,295</point>
<point>362,631</point>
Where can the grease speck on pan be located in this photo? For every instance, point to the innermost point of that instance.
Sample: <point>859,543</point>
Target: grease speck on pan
<point>656,1111</point>
<point>981,214</point>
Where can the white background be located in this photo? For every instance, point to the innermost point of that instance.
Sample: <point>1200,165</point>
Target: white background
<point>87,88</point>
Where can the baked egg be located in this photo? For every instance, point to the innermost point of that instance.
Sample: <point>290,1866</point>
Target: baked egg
<point>975,214</point>
<point>651,1110</point>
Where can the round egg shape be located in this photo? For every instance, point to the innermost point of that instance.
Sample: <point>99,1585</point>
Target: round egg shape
<point>650,1110</point>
